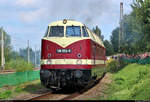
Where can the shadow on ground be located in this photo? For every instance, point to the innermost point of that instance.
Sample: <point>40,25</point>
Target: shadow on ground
<point>39,89</point>
<point>35,89</point>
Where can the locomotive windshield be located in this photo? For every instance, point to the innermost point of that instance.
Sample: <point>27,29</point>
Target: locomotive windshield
<point>56,31</point>
<point>85,34</point>
<point>73,31</point>
<point>46,32</point>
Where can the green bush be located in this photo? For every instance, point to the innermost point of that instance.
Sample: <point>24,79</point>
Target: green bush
<point>18,89</point>
<point>113,66</point>
<point>19,65</point>
<point>123,63</point>
<point>11,64</point>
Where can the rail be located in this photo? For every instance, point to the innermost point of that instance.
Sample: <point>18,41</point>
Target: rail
<point>47,95</point>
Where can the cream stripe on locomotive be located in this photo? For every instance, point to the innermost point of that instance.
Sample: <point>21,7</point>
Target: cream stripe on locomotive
<point>71,61</point>
<point>64,42</point>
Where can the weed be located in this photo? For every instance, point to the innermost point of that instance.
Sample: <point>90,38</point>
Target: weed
<point>18,89</point>
<point>119,80</point>
<point>5,94</point>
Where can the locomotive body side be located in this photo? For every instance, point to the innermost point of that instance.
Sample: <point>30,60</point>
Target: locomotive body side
<point>69,61</point>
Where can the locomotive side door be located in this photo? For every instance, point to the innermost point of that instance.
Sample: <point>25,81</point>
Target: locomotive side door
<point>94,53</point>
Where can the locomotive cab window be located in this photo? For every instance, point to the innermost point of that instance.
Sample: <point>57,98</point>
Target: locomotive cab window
<point>46,33</point>
<point>73,31</point>
<point>56,31</point>
<point>84,31</point>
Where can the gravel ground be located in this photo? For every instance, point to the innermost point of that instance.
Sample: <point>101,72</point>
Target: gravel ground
<point>95,91</point>
<point>25,96</point>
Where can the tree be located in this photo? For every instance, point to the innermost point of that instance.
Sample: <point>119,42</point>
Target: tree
<point>7,45</point>
<point>109,48</point>
<point>142,11</point>
<point>97,31</point>
<point>132,34</point>
<point>114,39</point>
<point>24,55</point>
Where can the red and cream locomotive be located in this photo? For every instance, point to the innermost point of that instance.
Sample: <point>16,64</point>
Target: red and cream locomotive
<point>70,54</point>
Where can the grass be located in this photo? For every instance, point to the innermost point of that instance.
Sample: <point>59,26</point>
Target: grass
<point>5,94</point>
<point>9,92</point>
<point>130,83</point>
<point>98,71</point>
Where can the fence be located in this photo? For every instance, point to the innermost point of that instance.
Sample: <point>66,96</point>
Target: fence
<point>18,77</point>
<point>139,61</point>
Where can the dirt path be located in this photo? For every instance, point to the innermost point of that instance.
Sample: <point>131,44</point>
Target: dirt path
<point>97,90</point>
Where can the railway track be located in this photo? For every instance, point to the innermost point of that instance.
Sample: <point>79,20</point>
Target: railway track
<point>64,96</point>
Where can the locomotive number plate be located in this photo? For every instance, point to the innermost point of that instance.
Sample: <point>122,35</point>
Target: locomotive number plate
<point>63,50</point>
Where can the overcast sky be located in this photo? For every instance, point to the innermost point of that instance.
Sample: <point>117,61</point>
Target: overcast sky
<point>28,19</point>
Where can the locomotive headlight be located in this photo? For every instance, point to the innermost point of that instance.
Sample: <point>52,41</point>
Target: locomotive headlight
<point>64,21</point>
<point>63,73</point>
<point>41,71</point>
<point>48,61</point>
<point>79,61</point>
<point>49,55</point>
<point>78,73</point>
<point>79,55</point>
<point>45,73</point>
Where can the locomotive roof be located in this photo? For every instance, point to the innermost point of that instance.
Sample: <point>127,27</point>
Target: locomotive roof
<point>69,22</point>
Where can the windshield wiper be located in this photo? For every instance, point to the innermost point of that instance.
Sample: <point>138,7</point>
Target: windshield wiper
<point>73,30</point>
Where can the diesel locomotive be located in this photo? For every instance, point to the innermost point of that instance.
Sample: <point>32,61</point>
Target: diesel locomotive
<point>71,55</point>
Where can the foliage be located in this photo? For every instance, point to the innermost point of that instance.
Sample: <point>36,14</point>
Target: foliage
<point>11,55</point>
<point>12,58</point>
<point>142,11</point>
<point>107,44</point>
<point>23,54</point>
<point>114,39</point>
<point>109,49</point>
<point>112,65</point>
<point>130,37</point>
<point>19,64</point>
<point>10,65</point>
<point>6,94</point>
<point>97,31</point>
<point>18,89</point>
<point>7,44</point>
<point>23,66</point>
<point>131,34</point>
<point>136,33</point>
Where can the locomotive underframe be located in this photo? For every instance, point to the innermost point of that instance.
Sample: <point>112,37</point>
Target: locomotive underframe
<point>60,78</point>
